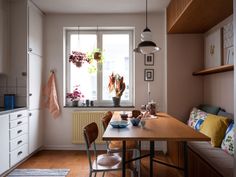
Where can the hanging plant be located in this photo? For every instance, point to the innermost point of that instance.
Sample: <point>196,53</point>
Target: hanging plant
<point>78,58</point>
<point>96,54</point>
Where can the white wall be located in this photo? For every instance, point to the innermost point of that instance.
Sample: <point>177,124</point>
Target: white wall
<point>58,131</point>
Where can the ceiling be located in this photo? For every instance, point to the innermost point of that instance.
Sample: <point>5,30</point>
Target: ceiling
<point>100,6</point>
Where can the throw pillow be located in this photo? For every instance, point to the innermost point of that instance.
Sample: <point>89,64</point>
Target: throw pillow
<point>215,126</point>
<point>228,141</point>
<point>196,118</point>
<point>209,109</point>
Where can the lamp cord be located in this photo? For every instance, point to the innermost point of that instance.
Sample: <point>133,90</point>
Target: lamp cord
<point>146,13</point>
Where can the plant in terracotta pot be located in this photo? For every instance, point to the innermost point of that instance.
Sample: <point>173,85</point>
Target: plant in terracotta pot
<point>117,84</point>
<point>78,58</point>
<point>75,96</point>
<point>96,54</point>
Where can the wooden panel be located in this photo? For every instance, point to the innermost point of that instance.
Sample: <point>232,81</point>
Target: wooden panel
<point>198,16</point>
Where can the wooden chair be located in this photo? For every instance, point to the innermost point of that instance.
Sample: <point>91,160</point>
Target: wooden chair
<point>103,162</point>
<point>116,146</point>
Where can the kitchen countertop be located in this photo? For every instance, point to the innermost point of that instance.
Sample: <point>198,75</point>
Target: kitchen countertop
<point>3,111</point>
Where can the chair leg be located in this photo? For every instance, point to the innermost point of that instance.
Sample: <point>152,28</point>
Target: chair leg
<point>90,174</point>
<point>103,174</point>
<point>95,174</point>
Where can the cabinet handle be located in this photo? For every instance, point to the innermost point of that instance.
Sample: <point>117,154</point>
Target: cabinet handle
<point>19,153</point>
<point>19,131</point>
<point>20,122</point>
<point>30,49</point>
<point>19,115</point>
<point>30,94</point>
<point>30,114</point>
<point>19,142</point>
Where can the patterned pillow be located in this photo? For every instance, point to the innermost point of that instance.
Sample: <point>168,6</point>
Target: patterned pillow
<point>228,141</point>
<point>196,118</point>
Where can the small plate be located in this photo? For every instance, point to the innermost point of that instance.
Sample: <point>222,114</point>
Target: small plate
<point>119,124</point>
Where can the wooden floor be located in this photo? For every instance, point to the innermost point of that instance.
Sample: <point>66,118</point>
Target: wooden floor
<point>77,162</point>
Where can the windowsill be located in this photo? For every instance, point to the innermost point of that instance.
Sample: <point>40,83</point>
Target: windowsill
<point>100,107</point>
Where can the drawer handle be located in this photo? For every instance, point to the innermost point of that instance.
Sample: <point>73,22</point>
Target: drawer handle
<point>19,131</point>
<point>19,153</point>
<point>19,115</point>
<point>20,122</point>
<point>19,142</point>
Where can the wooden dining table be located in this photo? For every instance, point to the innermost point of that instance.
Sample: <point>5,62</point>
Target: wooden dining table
<point>161,127</point>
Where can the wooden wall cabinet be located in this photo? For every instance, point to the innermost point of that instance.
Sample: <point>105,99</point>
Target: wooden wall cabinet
<point>196,16</point>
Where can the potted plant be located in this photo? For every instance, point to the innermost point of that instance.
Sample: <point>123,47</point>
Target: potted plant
<point>78,58</point>
<point>116,83</point>
<point>96,54</point>
<point>75,96</point>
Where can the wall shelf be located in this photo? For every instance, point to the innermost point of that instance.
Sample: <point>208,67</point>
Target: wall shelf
<point>217,69</point>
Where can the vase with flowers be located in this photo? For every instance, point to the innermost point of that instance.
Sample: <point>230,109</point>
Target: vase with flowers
<point>75,96</point>
<point>117,84</point>
<point>78,58</point>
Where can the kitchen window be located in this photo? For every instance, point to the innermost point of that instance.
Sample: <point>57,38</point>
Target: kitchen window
<point>93,79</point>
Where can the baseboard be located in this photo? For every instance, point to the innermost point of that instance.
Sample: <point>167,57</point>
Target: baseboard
<point>159,146</point>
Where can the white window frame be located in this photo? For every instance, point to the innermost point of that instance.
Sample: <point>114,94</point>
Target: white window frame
<point>99,101</point>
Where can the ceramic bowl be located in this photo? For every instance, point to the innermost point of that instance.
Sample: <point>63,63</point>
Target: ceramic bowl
<point>135,121</point>
<point>119,124</point>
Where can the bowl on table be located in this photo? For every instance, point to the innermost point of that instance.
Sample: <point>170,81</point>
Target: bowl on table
<point>135,121</point>
<point>119,124</point>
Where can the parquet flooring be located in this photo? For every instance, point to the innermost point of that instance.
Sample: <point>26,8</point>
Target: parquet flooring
<point>77,162</point>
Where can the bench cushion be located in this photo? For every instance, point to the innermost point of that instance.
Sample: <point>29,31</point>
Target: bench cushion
<point>222,162</point>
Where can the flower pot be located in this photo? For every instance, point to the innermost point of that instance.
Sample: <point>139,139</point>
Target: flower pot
<point>97,56</point>
<point>75,103</point>
<point>78,64</point>
<point>116,101</point>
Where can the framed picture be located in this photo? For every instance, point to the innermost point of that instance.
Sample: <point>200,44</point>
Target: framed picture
<point>149,75</point>
<point>149,59</point>
<point>229,56</point>
<point>213,49</point>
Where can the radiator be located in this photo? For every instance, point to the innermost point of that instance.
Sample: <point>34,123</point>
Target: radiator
<point>83,118</point>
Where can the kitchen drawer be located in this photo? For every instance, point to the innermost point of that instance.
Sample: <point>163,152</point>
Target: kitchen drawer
<point>18,115</point>
<point>18,154</point>
<point>18,122</point>
<point>17,142</point>
<point>18,131</point>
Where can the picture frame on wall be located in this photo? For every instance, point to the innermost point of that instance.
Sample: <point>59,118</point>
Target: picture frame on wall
<point>149,59</point>
<point>213,49</point>
<point>148,74</point>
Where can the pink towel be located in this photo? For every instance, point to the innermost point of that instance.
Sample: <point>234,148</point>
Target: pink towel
<point>51,94</point>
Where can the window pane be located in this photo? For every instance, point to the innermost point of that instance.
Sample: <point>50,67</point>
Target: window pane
<point>81,75</point>
<point>116,54</point>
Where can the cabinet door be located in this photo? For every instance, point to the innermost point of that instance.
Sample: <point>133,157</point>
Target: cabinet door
<point>35,30</point>
<point>35,130</point>
<point>4,143</point>
<point>35,81</point>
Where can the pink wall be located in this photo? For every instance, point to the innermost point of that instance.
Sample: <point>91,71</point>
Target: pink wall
<point>219,90</point>
<point>184,55</point>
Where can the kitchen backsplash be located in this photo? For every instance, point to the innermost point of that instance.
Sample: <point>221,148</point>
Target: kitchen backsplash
<point>14,85</point>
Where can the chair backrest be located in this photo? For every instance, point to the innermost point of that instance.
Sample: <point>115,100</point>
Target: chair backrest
<point>106,119</point>
<point>90,135</point>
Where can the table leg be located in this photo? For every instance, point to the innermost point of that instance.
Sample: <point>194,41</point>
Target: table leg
<point>152,147</point>
<point>185,159</point>
<point>123,157</point>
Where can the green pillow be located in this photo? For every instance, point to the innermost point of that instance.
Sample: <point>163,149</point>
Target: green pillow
<point>209,109</point>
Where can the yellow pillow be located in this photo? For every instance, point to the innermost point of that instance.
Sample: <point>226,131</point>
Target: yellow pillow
<point>215,126</point>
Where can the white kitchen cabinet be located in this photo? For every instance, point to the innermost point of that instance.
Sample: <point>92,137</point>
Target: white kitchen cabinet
<point>35,130</point>
<point>4,143</point>
<point>4,36</point>
<point>34,81</point>
<point>18,128</point>
<point>35,28</point>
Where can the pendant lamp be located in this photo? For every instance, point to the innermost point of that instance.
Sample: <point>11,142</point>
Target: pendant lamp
<point>146,46</point>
